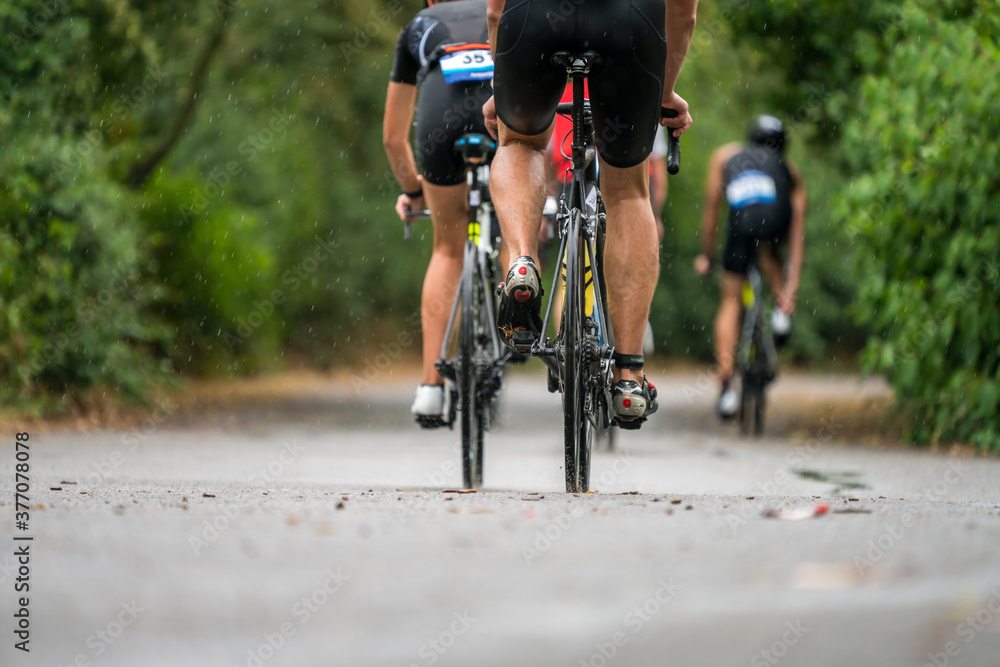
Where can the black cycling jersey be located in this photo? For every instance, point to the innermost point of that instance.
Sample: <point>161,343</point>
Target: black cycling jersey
<point>626,89</point>
<point>758,187</point>
<point>454,84</point>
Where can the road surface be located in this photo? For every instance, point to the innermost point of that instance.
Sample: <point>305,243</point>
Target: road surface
<point>317,530</point>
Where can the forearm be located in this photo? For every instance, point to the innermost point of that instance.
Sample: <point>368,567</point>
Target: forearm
<point>679,25</point>
<point>709,229</point>
<point>403,166</point>
<point>796,250</point>
<point>399,105</point>
<point>797,233</point>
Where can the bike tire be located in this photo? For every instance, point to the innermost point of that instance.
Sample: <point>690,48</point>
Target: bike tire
<point>577,428</point>
<point>746,405</point>
<point>473,425</point>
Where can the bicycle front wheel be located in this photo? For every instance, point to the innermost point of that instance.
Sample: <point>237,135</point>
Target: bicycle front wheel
<point>470,389</point>
<point>577,428</point>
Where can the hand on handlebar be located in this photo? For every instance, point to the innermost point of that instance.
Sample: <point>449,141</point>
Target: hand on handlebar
<point>683,119</point>
<point>702,265</point>
<point>406,204</point>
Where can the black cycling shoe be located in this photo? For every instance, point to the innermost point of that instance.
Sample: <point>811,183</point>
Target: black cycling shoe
<point>519,315</point>
<point>633,403</point>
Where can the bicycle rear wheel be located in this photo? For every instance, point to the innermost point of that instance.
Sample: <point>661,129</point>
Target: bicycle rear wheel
<point>469,376</point>
<point>752,399</point>
<point>577,428</point>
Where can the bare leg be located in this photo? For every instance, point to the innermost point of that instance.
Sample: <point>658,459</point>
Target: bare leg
<point>517,185</point>
<point>631,257</point>
<point>727,323</point>
<point>450,214</point>
<point>771,268</point>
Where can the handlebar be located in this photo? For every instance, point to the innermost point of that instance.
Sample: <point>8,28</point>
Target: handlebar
<point>673,143</point>
<point>411,216</point>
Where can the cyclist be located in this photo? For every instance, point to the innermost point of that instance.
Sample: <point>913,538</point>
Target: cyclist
<point>627,90</point>
<point>767,207</point>
<point>453,84</point>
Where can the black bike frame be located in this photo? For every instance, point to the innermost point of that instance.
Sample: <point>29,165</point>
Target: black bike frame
<point>581,217</point>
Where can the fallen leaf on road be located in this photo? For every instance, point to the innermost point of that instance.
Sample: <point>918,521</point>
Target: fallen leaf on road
<point>207,495</point>
<point>459,491</point>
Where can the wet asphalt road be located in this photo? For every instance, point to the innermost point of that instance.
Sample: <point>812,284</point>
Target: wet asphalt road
<point>316,531</point>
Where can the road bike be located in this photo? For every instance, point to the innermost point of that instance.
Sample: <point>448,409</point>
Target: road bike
<point>581,358</point>
<point>472,357</point>
<point>756,356</point>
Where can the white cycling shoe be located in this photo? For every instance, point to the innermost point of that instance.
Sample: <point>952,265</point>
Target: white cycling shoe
<point>429,406</point>
<point>781,326</point>
<point>729,403</point>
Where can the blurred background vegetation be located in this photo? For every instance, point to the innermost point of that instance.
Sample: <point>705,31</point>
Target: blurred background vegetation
<point>200,189</point>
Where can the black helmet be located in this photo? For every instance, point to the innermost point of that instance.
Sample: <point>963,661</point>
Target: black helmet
<point>767,131</point>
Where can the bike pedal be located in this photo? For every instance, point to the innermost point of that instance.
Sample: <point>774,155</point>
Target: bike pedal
<point>430,421</point>
<point>522,340</point>
<point>628,424</point>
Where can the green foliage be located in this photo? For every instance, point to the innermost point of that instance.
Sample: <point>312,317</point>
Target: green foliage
<point>71,255</point>
<point>926,210</point>
<point>72,316</point>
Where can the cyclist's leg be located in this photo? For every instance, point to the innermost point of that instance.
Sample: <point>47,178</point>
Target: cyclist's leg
<point>517,185</point>
<point>527,87</point>
<point>631,256</point>
<point>771,267</point>
<point>450,214</point>
<point>727,324</point>
<point>735,260</point>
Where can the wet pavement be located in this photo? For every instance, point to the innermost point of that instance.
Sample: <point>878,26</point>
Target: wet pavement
<point>320,529</point>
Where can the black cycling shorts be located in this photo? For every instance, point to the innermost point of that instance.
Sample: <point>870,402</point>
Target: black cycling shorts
<point>444,113</point>
<point>741,246</point>
<point>626,89</point>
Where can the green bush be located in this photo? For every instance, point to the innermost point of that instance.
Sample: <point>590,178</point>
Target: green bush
<point>925,212</point>
<point>73,302</point>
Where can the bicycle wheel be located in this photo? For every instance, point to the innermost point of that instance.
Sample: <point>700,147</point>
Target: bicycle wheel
<point>577,428</point>
<point>752,390</point>
<point>473,424</point>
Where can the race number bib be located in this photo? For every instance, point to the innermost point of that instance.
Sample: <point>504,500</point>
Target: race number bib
<point>468,64</point>
<point>751,187</point>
